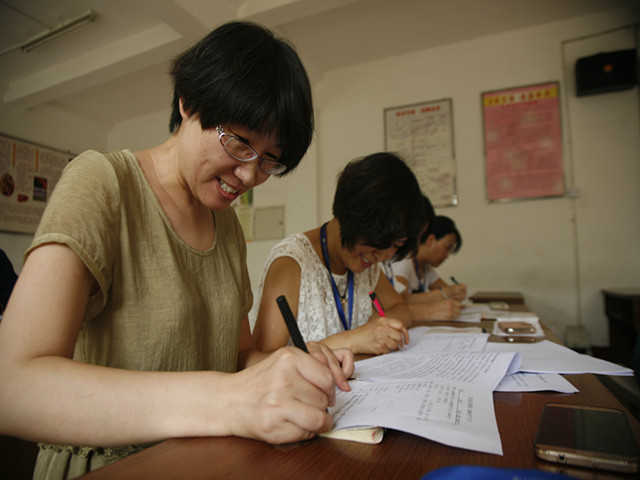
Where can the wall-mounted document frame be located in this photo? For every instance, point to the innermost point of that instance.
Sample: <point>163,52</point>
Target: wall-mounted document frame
<point>523,143</point>
<point>422,133</point>
<point>28,174</point>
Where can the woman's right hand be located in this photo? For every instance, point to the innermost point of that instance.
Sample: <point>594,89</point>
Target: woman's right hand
<point>379,335</point>
<point>456,292</point>
<point>442,310</point>
<point>283,398</point>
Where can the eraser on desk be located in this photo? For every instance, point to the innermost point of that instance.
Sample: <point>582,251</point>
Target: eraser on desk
<point>469,472</point>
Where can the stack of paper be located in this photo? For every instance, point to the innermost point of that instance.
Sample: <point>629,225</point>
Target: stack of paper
<point>441,386</point>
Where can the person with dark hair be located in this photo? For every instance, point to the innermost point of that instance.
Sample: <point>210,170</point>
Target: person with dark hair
<point>387,265</point>
<point>262,87</point>
<point>429,296</point>
<point>327,273</point>
<point>129,322</point>
<point>8,279</point>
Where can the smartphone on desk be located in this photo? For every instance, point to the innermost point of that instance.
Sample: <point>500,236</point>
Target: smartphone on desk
<point>592,437</point>
<point>516,327</point>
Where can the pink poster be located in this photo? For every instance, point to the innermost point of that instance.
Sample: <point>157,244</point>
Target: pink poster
<point>523,142</point>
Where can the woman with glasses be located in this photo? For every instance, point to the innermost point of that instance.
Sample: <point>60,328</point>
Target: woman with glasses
<point>429,296</point>
<point>327,273</point>
<point>129,322</point>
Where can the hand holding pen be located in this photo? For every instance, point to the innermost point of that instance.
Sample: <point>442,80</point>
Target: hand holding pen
<point>458,291</point>
<point>340,362</point>
<point>384,334</point>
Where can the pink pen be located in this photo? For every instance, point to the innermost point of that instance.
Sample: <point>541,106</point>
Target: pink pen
<point>376,304</point>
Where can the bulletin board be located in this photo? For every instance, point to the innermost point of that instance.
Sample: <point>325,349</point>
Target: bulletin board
<point>28,174</point>
<point>423,134</point>
<point>523,142</point>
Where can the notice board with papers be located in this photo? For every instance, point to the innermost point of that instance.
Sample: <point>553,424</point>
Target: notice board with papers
<point>422,134</point>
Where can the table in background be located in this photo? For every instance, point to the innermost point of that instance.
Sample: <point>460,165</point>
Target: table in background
<point>622,307</point>
<point>507,297</point>
<point>400,455</point>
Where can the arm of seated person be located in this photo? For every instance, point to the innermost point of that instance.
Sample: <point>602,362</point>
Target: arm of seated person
<point>445,310</point>
<point>419,297</point>
<point>283,278</point>
<point>270,331</point>
<point>446,291</point>
<point>380,334</point>
<point>280,399</point>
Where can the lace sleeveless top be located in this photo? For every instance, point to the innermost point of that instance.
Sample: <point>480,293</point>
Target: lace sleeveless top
<point>317,313</point>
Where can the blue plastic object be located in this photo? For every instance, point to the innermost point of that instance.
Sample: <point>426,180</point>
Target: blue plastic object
<point>468,472</point>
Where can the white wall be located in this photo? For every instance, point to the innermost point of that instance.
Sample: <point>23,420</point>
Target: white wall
<point>530,245</point>
<point>606,154</point>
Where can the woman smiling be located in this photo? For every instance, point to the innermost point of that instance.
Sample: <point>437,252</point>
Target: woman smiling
<point>327,273</point>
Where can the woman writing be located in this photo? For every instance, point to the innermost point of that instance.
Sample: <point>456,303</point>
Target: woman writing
<point>429,296</point>
<point>129,320</point>
<point>327,273</point>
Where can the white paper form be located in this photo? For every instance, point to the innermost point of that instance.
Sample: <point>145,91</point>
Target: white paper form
<point>549,357</point>
<point>423,339</point>
<point>473,312</point>
<point>535,382</point>
<point>452,413</point>
<point>443,396</point>
<point>469,315</point>
<point>484,369</point>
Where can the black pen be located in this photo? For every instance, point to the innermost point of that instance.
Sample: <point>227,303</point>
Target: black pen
<point>292,325</point>
<point>453,279</point>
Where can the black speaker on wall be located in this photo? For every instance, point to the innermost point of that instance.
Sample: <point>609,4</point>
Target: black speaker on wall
<point>606,72</point>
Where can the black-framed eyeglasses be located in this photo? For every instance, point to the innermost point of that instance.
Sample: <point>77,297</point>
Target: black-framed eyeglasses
<point>242,151</point>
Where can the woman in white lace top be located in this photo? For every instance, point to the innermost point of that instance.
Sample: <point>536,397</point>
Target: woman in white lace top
<point>327,273</point>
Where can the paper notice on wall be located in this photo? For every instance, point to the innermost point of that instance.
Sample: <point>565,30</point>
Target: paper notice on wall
<point>523,143</point>
<point>28,175</point>
<point>423,135</point>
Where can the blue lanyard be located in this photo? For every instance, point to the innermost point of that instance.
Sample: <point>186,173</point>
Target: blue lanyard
<point>388,271</point>
<point>334,287</point>
<point>420,279</point>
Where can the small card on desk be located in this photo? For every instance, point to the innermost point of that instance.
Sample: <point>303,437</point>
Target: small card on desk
<point>371,435</point>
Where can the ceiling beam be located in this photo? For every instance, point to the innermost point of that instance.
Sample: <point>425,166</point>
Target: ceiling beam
<point>119,58</point>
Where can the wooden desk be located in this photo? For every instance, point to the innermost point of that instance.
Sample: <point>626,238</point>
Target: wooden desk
<point>400,455</point>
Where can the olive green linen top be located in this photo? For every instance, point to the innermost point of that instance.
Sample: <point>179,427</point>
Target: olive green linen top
<point>161,305</point>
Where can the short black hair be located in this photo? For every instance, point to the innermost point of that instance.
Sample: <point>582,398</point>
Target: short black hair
<point>442,226</point>
<point>242,74</point>
<point>378,201</point>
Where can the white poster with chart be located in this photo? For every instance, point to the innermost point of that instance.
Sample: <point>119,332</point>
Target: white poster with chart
<point>423,134</point>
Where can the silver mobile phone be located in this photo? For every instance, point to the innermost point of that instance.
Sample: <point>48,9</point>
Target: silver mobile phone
<point>592,437</point>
